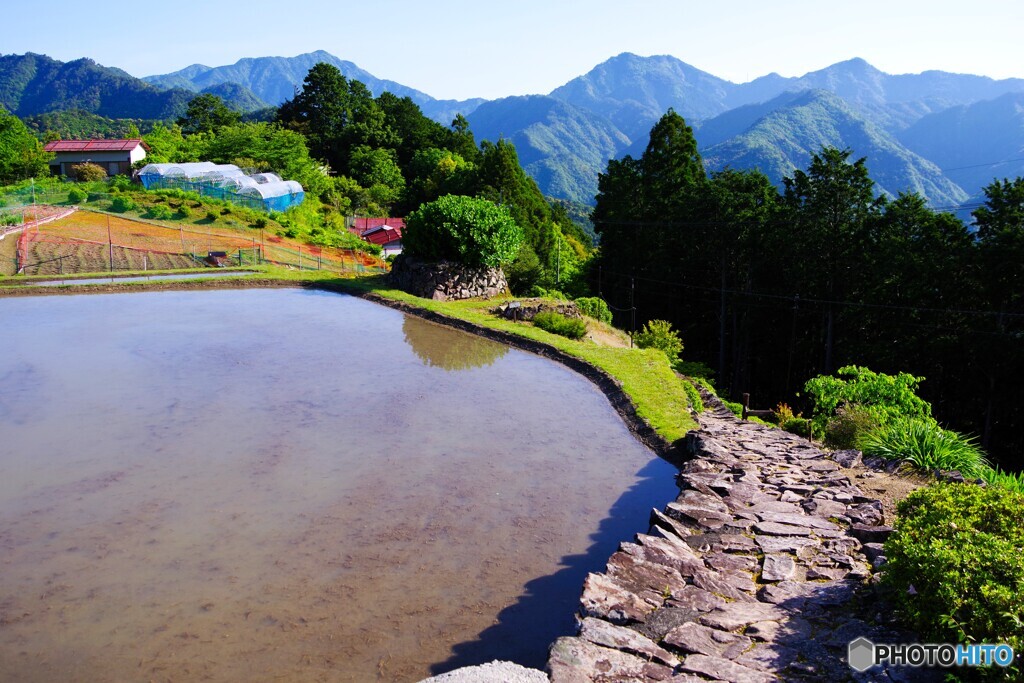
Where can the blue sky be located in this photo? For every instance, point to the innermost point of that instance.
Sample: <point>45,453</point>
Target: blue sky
<point>462,48</point>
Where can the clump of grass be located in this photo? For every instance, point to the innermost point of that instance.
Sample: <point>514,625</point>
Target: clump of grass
<point>926,445</point>
<point>693,396</point>
<point>1013,481</point>
<point>557,323</point>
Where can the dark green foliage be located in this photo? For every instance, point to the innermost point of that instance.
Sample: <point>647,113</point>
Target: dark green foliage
<point>595,307</point>
<point>122,204</point>
<point>797,425</point>
<point>76,196</point>
<point>21,155</point>
<point>158,212</point>
<point>211,216</point>
<point>959,547</point>
<point>82,125</point>
<point>472,231</point>
<point>694,369</point>
<point>658,334</point>
<point>205,114</point>
<point>847,425</point>
<point>88,172</point>
<point>556,323</point>
<point>525,272</point>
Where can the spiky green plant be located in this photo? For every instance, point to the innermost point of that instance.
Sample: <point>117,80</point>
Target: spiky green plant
<point>1013,481</point>
<point>926,445</point>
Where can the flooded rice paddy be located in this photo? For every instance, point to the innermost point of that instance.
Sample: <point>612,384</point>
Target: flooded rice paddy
<point>281,485</point>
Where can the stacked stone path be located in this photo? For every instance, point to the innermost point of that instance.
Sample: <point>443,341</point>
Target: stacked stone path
<point>760,571</point>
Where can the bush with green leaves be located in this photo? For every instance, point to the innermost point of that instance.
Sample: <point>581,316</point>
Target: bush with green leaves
<point>926,445</point>
<point>122,204</point>
<point>658,334</point>
<point>556,323</point>
<point>120,183</point>
<point>847,425</point>
<point>995,476</point>
<point>884,397</point>
<point>77,196</point>
<point>472,231</point>
<point>158,212</point>
<point>87,172</point>
<point>956,568</point>
<point>800,426</point>
<point>693,396</point>
<point>595,307</point>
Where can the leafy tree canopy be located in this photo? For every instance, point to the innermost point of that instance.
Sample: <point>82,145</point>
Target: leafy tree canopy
<point>207,113</point>
<point>472,231</point>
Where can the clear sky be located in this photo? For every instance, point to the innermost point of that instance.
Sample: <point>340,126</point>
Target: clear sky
<point>463,48</point>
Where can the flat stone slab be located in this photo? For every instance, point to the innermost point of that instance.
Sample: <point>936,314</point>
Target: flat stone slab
<point>780,529</point>
<point>722,669</point>
<point>778,568</point>
<point>736,615</point>
<point>695,638</point>
<point>601,632</point>
<point>604,598</point>
<point>574,660</point>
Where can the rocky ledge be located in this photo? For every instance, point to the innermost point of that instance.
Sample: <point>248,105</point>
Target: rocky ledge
<point>761,570</point>
<point>446,280</point>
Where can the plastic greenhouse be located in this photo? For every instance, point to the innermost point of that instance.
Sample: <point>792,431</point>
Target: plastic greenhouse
<point>266,191</point>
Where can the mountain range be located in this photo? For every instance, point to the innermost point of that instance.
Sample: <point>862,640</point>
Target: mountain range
<point>941,134</point>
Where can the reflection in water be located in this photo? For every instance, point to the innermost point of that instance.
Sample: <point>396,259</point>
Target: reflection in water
<point>437,347</point>
<point>268,485</point>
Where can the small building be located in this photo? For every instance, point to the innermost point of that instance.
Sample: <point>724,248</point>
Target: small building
<point>384,232</point>
<point>115,156</point>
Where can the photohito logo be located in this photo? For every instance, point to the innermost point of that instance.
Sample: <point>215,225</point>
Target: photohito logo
<point>862,654</point>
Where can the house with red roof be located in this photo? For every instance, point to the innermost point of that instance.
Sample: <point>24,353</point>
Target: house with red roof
<point>115,156</point>
<point>384,232</point>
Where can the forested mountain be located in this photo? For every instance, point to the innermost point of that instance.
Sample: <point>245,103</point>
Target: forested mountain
<point>276,79</point>
<point>36,84</point>
<point>236,97</point>
<point>559,145</point>
<point>781,136</point>
<point>967,140</point>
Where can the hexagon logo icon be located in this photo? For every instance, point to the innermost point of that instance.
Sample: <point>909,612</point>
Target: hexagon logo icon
<point>861,654</point>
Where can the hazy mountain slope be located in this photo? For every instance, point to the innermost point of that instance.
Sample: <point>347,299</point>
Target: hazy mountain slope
<point>633,92</point>
<point>785,138</point>
<point>968,141</point>
<point>561,146</point>
<point>36,84</point>
<point>236,96</point>
<point>275,79</point>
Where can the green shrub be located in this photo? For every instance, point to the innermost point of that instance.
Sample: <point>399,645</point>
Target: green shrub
<point>122,204</point>
<point>77,196</point>
<point>595,307</point>
<point>87,172</point>
<point>96,196</point>
<point>211,215</point>
<point>158,212</point>
<point>847,425</point>
<point>800,426</point>
<point>183,211</point>
<point>693,396</point>
<point>736,408</point>
<point>959,547</point>
<point>120,183</point>
<point>556,323</point>
<point>469,230</point>
<point>658,334</point>
<point>259,223</point>
<point>695,370</point>
<point>926,445</point>
<point>885,397</point>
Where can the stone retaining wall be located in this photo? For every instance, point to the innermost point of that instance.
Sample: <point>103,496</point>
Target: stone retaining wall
<point>446,280</point>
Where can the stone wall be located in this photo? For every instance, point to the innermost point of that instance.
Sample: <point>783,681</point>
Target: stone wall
<point>446,280</point>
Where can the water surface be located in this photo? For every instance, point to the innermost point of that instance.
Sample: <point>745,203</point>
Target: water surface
<point>282,485</point>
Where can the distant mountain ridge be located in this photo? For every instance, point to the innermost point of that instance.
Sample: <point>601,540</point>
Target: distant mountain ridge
<point>942,134</point>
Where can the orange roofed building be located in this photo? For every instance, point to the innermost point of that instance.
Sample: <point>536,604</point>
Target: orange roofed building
<point>385,232</point>
<point>114,156</point>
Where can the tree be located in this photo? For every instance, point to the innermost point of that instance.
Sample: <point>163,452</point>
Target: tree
<point>207,113</point>
<point>21,154</point>
<point>473,231</point>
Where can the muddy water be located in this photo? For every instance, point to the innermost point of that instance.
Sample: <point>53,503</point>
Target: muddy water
<point>280,485</point>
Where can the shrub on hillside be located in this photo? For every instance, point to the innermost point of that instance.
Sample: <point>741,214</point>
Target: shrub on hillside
<point>956,569</point>
<point>595,307</point>
<point>556,323</point>
<point>800,426</point>
<point>848,424</point>
<point>158,212</point>
<point>122,204</point>
<point>120,183</point>
<point>469,230</point>
<point>693,396</point>
<point>658,334</point>
<point>884,397</point>
<point>77,196</point>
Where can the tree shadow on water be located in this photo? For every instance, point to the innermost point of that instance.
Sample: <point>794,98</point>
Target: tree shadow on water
<point>548,606</point>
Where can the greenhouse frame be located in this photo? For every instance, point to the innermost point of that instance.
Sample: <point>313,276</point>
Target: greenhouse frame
<point>263,191</point>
